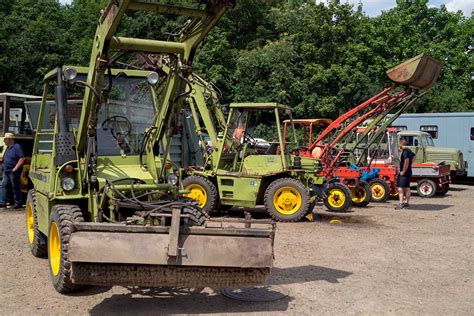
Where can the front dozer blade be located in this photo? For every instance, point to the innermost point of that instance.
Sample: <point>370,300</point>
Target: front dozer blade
<point>420,72</point>
<point>133,255</point>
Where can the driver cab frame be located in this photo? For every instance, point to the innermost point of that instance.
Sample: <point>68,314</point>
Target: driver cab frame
<point>239,145</point>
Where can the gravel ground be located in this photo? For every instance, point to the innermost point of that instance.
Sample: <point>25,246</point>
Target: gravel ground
<point>375,261</point>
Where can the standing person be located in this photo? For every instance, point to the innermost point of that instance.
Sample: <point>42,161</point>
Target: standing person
<point>13,161</point>
<point>403,180</point>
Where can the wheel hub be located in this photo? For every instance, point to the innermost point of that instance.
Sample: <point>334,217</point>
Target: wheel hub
<point>287,200</point>
<point>197,193</point>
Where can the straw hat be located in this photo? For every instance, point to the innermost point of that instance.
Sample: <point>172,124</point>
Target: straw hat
<point>8,136</point>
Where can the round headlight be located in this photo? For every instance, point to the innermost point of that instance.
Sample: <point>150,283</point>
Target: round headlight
<point>172,179</point>
<point>70,73</point>
<point>153,78</point>
<point>68,184</point>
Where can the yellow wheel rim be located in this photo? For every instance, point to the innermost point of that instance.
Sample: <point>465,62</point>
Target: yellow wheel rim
<point>378,191</point>
<point>336,197</point>
<point>358,194</point>
<point>197,193</point>
<point>30,222</point>
<point>287,200</point>
<point>54,248</point>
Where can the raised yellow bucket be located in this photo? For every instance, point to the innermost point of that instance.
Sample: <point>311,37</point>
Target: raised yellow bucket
<point>419,72</point>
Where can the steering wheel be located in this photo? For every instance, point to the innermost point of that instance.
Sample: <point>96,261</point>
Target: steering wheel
<point>117,124</point>
<point>249,139</point>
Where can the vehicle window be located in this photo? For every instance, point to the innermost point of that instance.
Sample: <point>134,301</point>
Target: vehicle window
<point>412,140</point>
<point>123,119</point>
<point>427,140</point>
<point>472,133</point>
<point>409,140</point>
<point>430,129</point>
<point>400,128</point>
<point>18,121</point>
<point>1,116</point>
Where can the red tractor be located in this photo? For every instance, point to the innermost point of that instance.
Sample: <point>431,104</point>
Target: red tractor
<point>337,146</point>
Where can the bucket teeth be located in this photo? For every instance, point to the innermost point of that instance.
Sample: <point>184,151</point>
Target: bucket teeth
<point>106,274</point>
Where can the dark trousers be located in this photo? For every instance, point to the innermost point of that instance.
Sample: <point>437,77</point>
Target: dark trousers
<point>14,179</point>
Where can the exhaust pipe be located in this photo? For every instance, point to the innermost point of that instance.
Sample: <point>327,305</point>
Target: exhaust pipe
<point>64,139</point>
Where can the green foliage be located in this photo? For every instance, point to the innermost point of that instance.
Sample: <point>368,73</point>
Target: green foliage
<point>320,59</point>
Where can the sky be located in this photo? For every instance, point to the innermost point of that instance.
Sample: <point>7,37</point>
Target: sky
<point>374,7</point>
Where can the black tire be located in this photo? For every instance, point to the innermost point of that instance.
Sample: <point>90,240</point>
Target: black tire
<point>36,239</point>
<point>380,190</point>
<point>196,216</point>
<point>426,188</point>
<point>444,189</point>
<point>205,187</point>
<point>338,198</point>
<point>62,218</point>
<point>300,200</point>
<point>361,194</point>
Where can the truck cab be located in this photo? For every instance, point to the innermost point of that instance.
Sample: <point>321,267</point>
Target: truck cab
<point>421,143</point>
<point>19,117</point>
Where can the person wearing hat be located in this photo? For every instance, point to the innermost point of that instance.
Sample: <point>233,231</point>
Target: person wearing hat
<point>13,160</point>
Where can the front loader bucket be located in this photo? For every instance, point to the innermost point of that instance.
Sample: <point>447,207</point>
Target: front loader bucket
<point>420,72</point>
<point>154,256</point>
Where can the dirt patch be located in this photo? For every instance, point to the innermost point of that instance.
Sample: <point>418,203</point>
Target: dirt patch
<point>377,260</point>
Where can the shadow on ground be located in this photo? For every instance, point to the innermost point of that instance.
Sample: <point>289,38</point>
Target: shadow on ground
<point>169,301</point>
<point>429,207</point>
<point>309,273</point>
<point>162,301</point>
<point>343,218</point>
<point>457,189</point>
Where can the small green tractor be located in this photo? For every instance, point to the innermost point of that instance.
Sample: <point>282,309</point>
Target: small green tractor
<point>242,169</point>
<point>105,207</point>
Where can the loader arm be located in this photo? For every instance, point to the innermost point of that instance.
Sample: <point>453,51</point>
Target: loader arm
<point>191,35</point>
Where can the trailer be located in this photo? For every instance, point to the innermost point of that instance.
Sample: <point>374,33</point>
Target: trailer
<point>447,130</point>
<point>431,179</point>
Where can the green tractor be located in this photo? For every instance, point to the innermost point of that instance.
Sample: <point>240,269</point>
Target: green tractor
<point>251,163</point>
<point>105,207</point>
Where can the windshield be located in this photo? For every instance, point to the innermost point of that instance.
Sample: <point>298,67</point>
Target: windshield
<point>381,147</point>
<point>124,117</point>
<point>258,129</point>
<point>427,140</point>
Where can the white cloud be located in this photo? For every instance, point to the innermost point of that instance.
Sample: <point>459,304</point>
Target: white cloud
<point>65,1</point>
<point>463,5</point>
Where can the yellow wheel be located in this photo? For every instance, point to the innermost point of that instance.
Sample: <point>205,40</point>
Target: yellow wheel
<point>61,223</point>
<point>287,200</point>
<point>197,193</point>
<point>36,239</point>
<point>203,191</point>
<point>338,198</point>
<point>30,223</point>
<point>54,248</point>
<point>380,190</point>
<point>361,194</point>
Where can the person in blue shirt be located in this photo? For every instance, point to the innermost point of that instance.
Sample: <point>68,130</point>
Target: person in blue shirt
<point>13,160</point>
